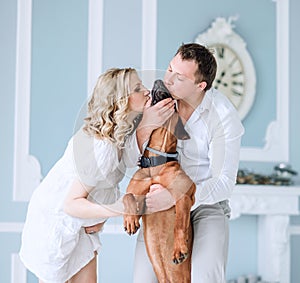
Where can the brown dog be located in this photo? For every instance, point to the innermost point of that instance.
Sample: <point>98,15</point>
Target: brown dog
<point>167,234</point>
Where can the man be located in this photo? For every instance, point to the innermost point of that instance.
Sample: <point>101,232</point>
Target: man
<point>210,157</point>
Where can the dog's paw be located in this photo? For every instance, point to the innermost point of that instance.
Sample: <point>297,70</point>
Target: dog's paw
<point>131,224</point>
<point>180,258</point>
<point>131,231</point>
<point>181,246</point>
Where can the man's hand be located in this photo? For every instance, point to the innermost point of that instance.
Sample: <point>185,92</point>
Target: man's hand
<point>158,199</point>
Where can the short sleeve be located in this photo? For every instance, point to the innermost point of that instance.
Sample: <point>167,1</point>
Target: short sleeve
<point>93,159</point>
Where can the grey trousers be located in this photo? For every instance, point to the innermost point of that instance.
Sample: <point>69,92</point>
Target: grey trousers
<point>210,247</point>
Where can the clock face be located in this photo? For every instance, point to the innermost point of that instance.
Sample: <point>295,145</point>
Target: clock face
<point>230,77</point>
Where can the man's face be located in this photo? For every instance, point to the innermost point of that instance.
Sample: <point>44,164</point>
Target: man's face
<point>180,78</point>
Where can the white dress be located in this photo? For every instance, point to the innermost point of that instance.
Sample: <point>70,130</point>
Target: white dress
<point>54,244</point>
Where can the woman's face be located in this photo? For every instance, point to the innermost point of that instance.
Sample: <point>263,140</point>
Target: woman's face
<point>139,95</point>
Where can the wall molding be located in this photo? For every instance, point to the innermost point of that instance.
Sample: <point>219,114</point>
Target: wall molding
<point>11,227</point>
<point>18,270</point>
<point>276,148</point>
<point>95,43</point>
<point>149,34</point>
<point>294,230</point>
<point>27,171</point>
<point>17,227</point>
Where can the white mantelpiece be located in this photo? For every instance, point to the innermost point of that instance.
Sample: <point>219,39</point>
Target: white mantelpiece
<point>273,205</point>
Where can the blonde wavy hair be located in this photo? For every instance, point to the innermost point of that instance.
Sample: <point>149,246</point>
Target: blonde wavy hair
<point>108,108</point>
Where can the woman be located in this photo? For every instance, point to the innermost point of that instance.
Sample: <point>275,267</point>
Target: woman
<point>80,192</point>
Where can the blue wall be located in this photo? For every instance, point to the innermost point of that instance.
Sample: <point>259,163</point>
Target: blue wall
<point>59,89</point>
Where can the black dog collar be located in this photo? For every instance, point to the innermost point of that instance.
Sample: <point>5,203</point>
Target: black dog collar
<point>146,162</point>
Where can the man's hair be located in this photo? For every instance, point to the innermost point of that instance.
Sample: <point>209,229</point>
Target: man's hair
<point>203,57</point>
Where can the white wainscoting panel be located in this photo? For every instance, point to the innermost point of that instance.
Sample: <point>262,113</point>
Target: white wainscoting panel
<point>27,171</point>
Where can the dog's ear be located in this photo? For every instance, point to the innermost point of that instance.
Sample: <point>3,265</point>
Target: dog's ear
<point>180,132</point>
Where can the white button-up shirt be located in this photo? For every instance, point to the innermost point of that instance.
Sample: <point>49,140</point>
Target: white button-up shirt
<point>211,156</point>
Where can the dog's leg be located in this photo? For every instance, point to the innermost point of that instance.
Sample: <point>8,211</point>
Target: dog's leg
<point>134,201</point>
<point>183,190</point>
<point>182,229</point>
<point>132,217</point>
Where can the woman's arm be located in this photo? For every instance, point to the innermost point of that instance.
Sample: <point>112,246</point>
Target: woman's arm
<point>77,205</point>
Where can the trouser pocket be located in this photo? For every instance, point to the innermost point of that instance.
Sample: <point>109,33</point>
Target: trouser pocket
<point>226,208</point>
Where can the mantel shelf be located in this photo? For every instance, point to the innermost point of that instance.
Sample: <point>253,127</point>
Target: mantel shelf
<point>293,190</point>
<point>264,200</point>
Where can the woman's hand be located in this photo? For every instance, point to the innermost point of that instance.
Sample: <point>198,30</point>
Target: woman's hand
<point>158,199</point>
<point>94,229</point>
<point>153,117</point>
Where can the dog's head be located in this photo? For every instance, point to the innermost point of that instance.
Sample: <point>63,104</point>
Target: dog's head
<point>160,92</point>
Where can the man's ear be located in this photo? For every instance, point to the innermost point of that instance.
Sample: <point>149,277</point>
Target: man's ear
<point>202,85</point>
<point>180,132</point>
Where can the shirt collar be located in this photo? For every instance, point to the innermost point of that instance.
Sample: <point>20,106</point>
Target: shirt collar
<point>203,106</point>
<point>206,101</point>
